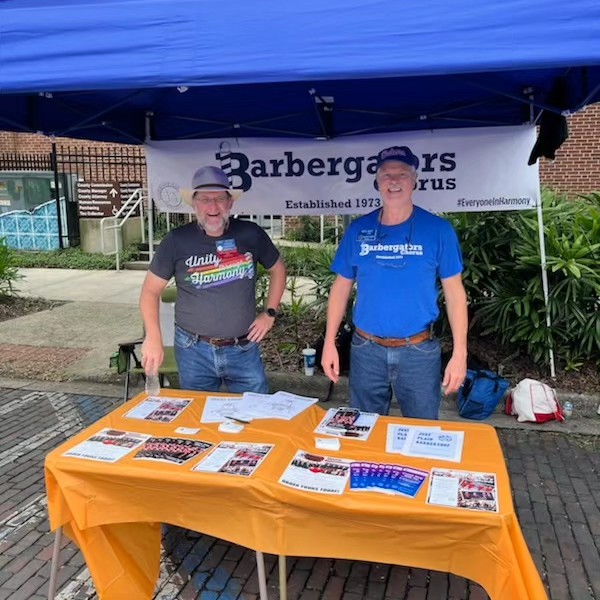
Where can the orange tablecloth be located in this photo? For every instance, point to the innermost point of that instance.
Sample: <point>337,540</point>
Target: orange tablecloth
<point>113,511</point>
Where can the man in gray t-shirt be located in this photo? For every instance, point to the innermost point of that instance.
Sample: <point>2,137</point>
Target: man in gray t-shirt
<point>214,262</point>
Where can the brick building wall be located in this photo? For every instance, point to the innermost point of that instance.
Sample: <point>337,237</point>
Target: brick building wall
<point>575,171</point>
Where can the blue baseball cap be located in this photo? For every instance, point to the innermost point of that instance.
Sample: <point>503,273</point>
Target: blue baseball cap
<point>401,154</point>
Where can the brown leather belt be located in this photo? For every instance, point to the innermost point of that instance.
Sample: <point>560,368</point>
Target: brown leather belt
<point>215,341</point>
<point>395,342</point>
<point>220,342</point>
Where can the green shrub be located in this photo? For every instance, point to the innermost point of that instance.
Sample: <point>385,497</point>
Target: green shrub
<point>70,258</point>
<point>504,283</point>
<point>8,270</point>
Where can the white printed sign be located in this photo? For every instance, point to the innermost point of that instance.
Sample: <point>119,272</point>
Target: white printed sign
<point>478,169</point>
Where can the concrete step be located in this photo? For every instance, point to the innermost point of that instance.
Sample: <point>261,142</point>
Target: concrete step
<point>136,265</point>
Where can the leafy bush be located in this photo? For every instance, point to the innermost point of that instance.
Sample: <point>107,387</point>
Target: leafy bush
<point>504,284</point>
<point>8,270</point>
<point>70,258</point>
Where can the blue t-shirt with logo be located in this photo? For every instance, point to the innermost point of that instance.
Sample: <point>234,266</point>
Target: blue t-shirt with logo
<point>396,268</point>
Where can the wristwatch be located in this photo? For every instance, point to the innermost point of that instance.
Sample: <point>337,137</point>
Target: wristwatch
<point>271,312</point>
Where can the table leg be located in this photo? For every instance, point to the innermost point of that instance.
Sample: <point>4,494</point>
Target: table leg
<point>282,578</point>
<point>54,565</point>
<point>262,578</point>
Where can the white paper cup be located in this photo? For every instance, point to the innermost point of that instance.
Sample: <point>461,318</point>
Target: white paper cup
<point>309,355</point>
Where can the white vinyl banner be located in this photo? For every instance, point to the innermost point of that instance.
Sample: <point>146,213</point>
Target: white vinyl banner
<point>480,169</point>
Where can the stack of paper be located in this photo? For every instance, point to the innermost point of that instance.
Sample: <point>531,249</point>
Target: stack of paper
<point>159,409</point>
<point>386,478</point>
<point>425,442</point>
<point>348,423</point>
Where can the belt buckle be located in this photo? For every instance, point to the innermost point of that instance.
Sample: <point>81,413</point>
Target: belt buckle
<point>214,341</point>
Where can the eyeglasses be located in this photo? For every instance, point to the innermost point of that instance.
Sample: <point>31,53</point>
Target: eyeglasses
<point>205,200</point>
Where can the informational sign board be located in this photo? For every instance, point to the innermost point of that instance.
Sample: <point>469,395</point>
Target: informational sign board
<point>103,199</point>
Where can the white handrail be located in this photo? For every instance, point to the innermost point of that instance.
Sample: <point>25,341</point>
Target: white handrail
<point>127,210</point>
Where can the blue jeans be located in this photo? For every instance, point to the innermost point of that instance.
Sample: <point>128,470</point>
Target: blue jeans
<point>204,367</point>
<point>412,372</point>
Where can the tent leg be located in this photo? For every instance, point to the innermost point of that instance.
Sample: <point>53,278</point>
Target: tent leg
<point>54,565</point>
<point>542,240</point>
<point>282,578</point>
<point>262,578</point>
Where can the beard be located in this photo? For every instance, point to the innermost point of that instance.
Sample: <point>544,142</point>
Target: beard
<point>215,227</point>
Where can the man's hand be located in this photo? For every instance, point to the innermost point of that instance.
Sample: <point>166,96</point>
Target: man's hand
<point>330,361</point>
<point>152,355</point>
<point>260,327</point>
<point>455,373</point>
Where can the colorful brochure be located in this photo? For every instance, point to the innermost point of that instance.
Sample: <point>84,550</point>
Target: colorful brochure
<point>108,445</point>
<point>315,473</point>
<point>234,458</point>
<point>386,478</point>
<point>348,423</point>
<point>159,409</point>
<point>174,451</point>
<point>463,489</point>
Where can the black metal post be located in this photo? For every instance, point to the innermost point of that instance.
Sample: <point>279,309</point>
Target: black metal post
<point>57,195</point>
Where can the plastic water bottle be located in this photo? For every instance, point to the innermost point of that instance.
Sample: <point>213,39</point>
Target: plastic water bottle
<point>568,409</point>
<point>152,384</point>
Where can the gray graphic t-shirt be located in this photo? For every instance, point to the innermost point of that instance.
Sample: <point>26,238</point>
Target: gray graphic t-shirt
<point>215,276</point>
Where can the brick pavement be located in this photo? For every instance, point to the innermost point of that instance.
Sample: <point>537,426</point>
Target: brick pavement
<point>555,483</point>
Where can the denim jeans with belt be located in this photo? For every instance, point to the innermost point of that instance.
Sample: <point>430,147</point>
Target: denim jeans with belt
<point>412,372</point>
<point>205,367</point>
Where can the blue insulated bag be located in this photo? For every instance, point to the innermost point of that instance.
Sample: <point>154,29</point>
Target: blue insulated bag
<point>480,393</point>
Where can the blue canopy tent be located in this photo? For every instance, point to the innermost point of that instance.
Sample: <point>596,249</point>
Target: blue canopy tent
<point>124,70</point>
<point>134,70</point>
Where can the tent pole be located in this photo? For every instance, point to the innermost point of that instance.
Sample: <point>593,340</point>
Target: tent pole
<point>150,210</point>
<point>544,267</point>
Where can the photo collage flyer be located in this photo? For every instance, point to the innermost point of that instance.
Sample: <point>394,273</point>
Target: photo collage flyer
<point>234,458</point>
<point>463,489</point>
<point>174,451</point>
<point>161,410</point>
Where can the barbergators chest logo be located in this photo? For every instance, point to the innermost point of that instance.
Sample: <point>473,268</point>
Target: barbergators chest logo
<point>224,266</point>
<point>391,250</point>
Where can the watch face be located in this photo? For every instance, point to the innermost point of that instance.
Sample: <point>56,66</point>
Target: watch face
<point>271,312</point>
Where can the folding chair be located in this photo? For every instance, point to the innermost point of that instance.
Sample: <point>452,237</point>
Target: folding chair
<point>128,360</point>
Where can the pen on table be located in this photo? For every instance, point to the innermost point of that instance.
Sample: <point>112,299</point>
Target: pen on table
<point>237,420</point>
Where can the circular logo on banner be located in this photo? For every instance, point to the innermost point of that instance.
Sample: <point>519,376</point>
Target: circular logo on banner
<point>168,195</point>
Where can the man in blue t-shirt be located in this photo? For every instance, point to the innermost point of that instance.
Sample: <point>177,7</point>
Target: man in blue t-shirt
<point>396,255</point>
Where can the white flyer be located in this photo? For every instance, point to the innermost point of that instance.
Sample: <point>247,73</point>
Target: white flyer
<point>280,405</point>
<point>312,472</point>
<point>438,444</point>
<point>234,458</point>
<point>160,409</point>
<point>463,489</point>
<point>397,434</point>
<point>108,445</point>
<point>218,409</point>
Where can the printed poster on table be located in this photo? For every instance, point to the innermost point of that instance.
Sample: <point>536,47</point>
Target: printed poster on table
<point>315,473</point>
<point>174,451</point>
<point>347,422</point>
<point>159,409</point>
<point>108,445</point>
<point>234,458</point>
<point>463,489</point>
